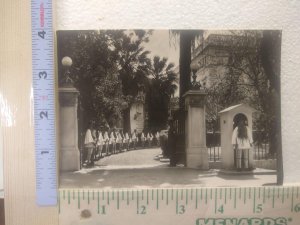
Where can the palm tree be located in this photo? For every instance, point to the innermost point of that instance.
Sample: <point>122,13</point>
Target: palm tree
<point>134,65</point>
<point>163,84</point>
<point>164,73</point>
<point>133,59</point>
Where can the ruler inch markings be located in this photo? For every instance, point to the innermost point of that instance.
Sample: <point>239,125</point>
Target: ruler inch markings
<point>292,201</point>
<point>254,199</point>
<point>167,197</point>
<point>196,206</point>
<point>147,196</point>
<point>225,194</point>
<point>216,198</point>
<point>273,198</point>
<point>220,204</point>
<point>44,110</point>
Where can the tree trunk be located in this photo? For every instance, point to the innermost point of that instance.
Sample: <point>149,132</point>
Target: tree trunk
<point>184,63</point>
<point>271,61</point>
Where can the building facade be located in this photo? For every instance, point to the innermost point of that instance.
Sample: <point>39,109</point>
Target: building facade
<point>212,54</point>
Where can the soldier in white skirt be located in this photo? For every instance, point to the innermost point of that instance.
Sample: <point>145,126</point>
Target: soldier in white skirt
<point>242,142</point>
<point>134,138</point>
<point>149,139</point>
<point>100,144</point>
<point>119,142</point>
<point>128,141</point>
<point>89,144</point>
<point>143,139</point>
<point>112,142</point>
<point>157,138</point>
<point>106,142</point>
<point>123,141</point>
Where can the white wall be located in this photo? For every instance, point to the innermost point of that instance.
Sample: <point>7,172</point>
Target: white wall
<point>138,122</point>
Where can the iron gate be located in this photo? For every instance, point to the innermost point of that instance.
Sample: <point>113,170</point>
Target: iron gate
<point>178,137</point>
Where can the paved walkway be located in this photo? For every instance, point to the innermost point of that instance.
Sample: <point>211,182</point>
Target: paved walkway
<point>139,169</point>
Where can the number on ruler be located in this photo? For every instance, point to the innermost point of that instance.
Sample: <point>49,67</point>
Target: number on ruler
<point>44,97</point>
<point>43,74</point>
<point>142,210</point>
<point>221,209</point>
<point>42,34</point>
<point>297,207</point>
<point>259,208</point>
<point>44,114</point>
<point>181,209</point>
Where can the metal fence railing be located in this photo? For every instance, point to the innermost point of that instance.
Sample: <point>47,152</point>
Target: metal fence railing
<point>262,151</point>
<point>178,126</point>
<point>261,147</point>
<point>213,143</point>
<point>214,153</point>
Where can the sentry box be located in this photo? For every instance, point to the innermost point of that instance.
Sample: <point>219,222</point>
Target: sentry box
<point>229,119</point>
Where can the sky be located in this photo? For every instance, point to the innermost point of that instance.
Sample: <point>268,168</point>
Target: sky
<point>161,44</point>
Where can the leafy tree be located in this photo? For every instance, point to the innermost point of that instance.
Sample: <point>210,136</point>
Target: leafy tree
<point>92,61</point>
<point>132,58</point>
<point>252,77</point>
<point>162,87</point>
<point>108,68</point>
<point>222,93</point>
<point>134,65</point>
<point>248,60</point>
<point>255,56</point>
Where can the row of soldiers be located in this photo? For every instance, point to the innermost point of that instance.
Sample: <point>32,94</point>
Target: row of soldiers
<point>98,144</point>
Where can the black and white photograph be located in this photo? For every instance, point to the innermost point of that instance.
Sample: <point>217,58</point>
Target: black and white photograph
<point>169,108</point>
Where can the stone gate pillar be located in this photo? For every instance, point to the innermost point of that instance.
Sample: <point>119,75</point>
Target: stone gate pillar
<point>195,130</point>
<point>68,129</point>
<point>69,155</point>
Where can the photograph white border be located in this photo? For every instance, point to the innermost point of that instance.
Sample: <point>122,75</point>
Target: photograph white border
<point>191,14</point>
<point>16,72</point>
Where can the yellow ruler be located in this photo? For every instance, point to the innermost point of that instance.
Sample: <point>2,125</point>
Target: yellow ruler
<point>270,205</point>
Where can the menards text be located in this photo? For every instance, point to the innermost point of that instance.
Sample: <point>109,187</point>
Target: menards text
<point>242,221</point>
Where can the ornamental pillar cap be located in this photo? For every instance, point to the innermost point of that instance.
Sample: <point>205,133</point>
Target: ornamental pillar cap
<point>194,93</point>
<point>194,98</point>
